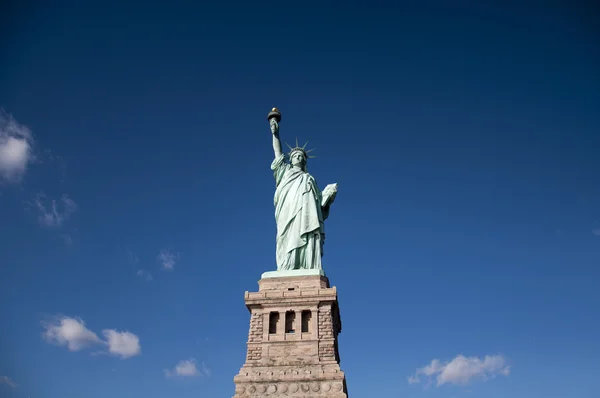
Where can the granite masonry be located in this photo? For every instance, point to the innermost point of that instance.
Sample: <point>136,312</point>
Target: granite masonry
<point>293,340</point>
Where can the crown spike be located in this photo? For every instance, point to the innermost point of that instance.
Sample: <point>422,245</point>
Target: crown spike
<point>299,148</point>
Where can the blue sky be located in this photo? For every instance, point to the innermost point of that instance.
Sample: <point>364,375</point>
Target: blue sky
<point>136,195</point>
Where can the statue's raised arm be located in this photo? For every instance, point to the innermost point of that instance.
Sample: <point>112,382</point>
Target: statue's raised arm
<point>274,119</point>
<point>300,206</point>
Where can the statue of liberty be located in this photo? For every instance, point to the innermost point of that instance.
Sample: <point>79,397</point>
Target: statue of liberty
<point>300,206</point>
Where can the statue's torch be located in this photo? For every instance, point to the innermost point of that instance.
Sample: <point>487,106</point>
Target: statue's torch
<point>274,119</point>
<point>274,114</point>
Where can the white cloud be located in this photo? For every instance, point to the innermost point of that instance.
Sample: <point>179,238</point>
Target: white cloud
<point>6,380</point>
<point>70,332</point>
<point>413,379</point>
<point>596,231</point>
<point>54,213</point>
<point>145,275</point>
<point>168,259</point>
<point>463,370</point>
<point>123,344</point>
<point>188,368</point>
<point>15,148</point>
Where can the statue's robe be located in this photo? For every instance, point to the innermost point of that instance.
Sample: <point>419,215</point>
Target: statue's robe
<point>299,217</point>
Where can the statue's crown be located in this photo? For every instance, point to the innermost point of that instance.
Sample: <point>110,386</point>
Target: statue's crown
<point>299,148</point>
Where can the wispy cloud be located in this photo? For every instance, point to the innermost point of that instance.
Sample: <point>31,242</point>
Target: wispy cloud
<point>47,156</point>
<point>596,231</point>
<point>54,213</point>
<point>6,380</point>
<point>144,275</point>
<point>462,370</point>
<point>132,257</point>
<point>188,368</point>
<point>72,333</point>
<point>15,148</point>
<point>67,238</point>
<point>122,344</point>
<point>168,259</point>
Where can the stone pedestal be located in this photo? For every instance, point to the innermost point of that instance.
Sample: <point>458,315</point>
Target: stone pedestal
<point>292,344</point>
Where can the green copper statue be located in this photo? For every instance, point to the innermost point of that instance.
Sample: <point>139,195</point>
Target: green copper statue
<point>300,206</point>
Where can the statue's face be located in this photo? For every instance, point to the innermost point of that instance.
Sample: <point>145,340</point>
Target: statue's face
<point>298,159</point>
